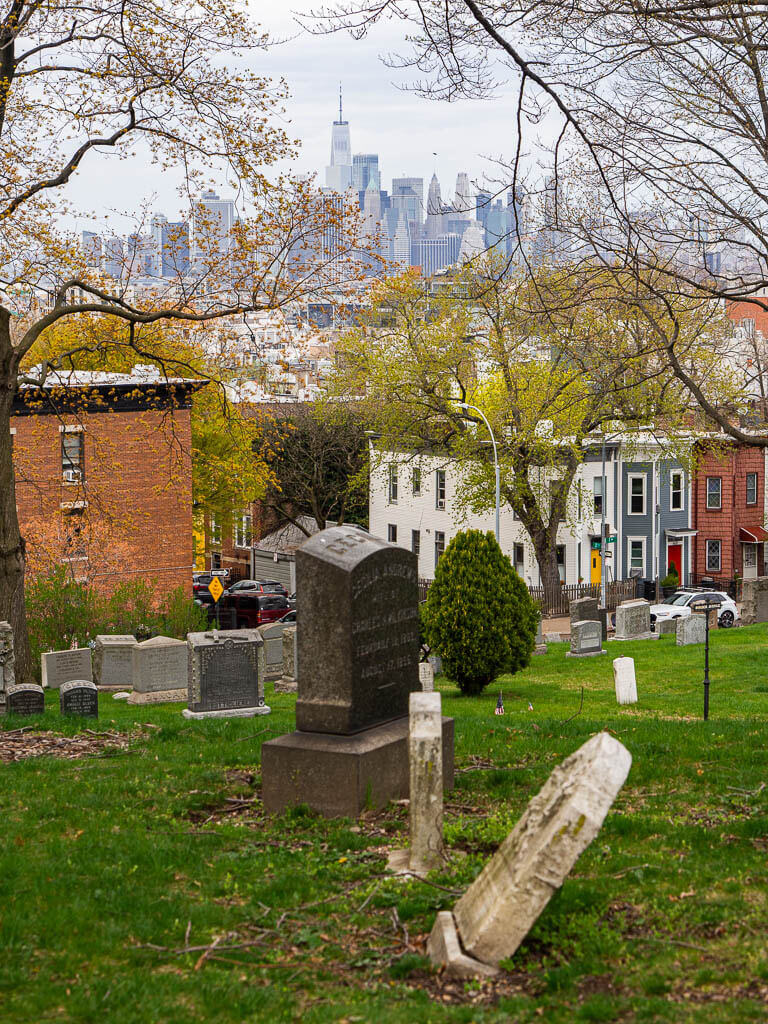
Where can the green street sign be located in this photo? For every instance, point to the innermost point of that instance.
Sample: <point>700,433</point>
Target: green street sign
<point>611,539</point>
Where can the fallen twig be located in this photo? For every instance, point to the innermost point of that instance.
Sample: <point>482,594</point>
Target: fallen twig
<point>581,705</point>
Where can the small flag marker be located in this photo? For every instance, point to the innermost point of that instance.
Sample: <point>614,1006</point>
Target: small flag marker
<point>499,706</point>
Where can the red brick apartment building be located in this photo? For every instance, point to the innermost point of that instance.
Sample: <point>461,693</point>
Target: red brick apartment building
<point>104,476</point>
<point>728,512</point>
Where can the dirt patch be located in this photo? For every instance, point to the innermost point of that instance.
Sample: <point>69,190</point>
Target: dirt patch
<point>19,744</point>
<point>485,992</point>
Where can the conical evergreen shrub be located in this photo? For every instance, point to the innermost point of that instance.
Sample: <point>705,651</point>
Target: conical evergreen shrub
<point>479,615</point>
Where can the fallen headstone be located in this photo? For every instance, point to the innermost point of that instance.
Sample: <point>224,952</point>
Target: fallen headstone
<point>121,695</point>
<point>498,910</point>
<point>624,680</point>
<point>60,666</point>
<point>79,697</point>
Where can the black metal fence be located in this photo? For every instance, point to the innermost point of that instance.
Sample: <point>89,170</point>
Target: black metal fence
<point>731,587</point>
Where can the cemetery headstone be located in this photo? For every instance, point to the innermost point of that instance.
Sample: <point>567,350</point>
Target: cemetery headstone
<point>224,679</point>
<point>437,664</point>
<point>79,697</point>
<point>25,699</point>
<point>552,638</point>
<point>498,910</point>
<point>159,671</point>
<point>633,621</point>
<point>541,647</point>
<point>754,598</point>
<point>583,609</point>
<point>272,635</point>
<point>7,660</point>
<point>586,639</point>
<point>425,757</point>
<point>287,682</point>
<point>426,677</point>
<point>692,629</point>
<point>60,666</point>
<point>664,626</point>
<point>358,656</point>
<point>624,680</point>
<point>113,661</point>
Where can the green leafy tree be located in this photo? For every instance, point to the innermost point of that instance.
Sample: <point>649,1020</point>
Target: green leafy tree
<point>479,615</point>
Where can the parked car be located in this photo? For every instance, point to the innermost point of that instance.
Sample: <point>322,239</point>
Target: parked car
<point>289,619</point>
<point>292,599</point>
<point>252,607</point>
<point>260,586</point>
<point>200,591</point>
<point>683,602</point>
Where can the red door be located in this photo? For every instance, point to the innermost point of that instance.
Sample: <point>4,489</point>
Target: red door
<point>675,557</point>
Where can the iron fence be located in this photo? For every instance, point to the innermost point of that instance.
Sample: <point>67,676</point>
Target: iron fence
<point>555,601</point>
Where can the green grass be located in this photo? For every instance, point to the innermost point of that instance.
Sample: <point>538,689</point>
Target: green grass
<point>108,862</point>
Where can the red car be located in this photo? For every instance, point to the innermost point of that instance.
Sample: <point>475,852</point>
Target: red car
<point>251,608</point>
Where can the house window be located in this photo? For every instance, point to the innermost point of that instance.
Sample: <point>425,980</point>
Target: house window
<point>714,492</point>
<point>636,557</point>
<point>597,496</point>
<point>72,456</point>
<point>416,542</point>
<point>676,492</point>
<point>392,533</point>
<point>714,556</point>
<point>215,531</point>
<point>416,480</point>
<point>519,559</point>
<point>440,488</point>
<point>439,545</point>
<point>393,484</point>
<point>637,494</point>
<point>243,532</point>
<point>74,536</point>
<point>560,553</point>
<point>751,488</point>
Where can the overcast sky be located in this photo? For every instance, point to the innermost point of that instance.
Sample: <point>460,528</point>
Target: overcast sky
<point>404,129</point>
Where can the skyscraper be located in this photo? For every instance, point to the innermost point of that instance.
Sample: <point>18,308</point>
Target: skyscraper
<point>464,203</point>
<point>338,174</point>
<point>364,167</point>
<point>408,195</point>
<point>171,247</point>
<point>434,226</point>
<point>212,221</point>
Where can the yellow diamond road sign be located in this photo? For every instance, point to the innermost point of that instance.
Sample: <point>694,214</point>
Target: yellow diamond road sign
<point>215,588</point>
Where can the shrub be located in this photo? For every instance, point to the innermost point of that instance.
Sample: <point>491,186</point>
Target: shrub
<point>180,615</point>
<point>479,615</point>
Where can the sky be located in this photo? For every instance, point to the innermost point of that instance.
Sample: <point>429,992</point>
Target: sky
<point>402,127</point>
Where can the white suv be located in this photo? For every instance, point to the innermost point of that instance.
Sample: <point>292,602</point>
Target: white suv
<point>683,602</point>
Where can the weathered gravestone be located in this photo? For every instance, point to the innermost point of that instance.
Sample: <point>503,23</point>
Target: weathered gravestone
<point>287,681</point>
<point>586,640</point>
<point>692,629</point>
<point>541,647</point>
<point>224,677</point>
<point>7,661</point>
<point>664,626</point>
<point>426,677</point>
<point>425,757</point>
<point>624,680</point>
<point>754,598</point>
<point>113,661</point>
<point>159,671</point>
<point>633,621</point>
<point>272,635</point>
<point>498,910</point>
<point>437,664</point>
<point>358,655</point>
<point>583,609</point>
<point>25,699</point>
<point>61,666</point>
<point>79,697</point>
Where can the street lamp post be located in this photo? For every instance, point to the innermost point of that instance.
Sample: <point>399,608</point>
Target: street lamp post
<point>465,406</point>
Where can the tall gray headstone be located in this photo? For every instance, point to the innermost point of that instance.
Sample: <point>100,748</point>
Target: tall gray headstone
<point>633,621</point>
<point>272,635</point>
<point>692,629</point>
<point>287,681</point>
<point>60,666</point>
<point>224,679</point>
<point>159,670</point>
<point>583,609</point>
<point>358,657</point>
<point>113,661</point>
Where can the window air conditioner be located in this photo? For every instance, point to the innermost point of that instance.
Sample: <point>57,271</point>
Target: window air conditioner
<point>72,476</point>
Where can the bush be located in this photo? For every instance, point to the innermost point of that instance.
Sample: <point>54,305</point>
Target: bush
<point>479,615</point>
<point>671,579</point>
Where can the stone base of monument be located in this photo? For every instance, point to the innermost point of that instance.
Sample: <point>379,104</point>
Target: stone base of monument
<point>584,654</point>
<point>263,709</point>
<point>341,776</point>
<point>540,649</point>
<point>444,949</point>
<point>638,636</point>
<point>158,697</point>
<point>286,686</point>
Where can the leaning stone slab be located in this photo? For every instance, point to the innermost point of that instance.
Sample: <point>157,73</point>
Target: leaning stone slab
<point>692,629</point>
<point>633,621</point>
<point>113,661</point>
<point>444,948</point>
<point>225,680</point>
<point>79,697</point>
<point>25,699</point>
<point>624,680</point>
<point>159,671</point>
<point>60,666</point>
<point>586,639</point>
<point>498,910</point>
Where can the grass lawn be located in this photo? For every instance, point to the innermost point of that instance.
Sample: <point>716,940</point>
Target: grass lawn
<point>120,870</point>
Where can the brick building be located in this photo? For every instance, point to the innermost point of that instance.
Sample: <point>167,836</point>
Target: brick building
<point>104,476</point>
<point>729,511</point>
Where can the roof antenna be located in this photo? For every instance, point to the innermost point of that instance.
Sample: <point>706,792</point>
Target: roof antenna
<point>340,117</point>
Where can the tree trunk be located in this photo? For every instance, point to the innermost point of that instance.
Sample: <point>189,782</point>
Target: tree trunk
<point>12,607</point>
<point>546,556</point>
